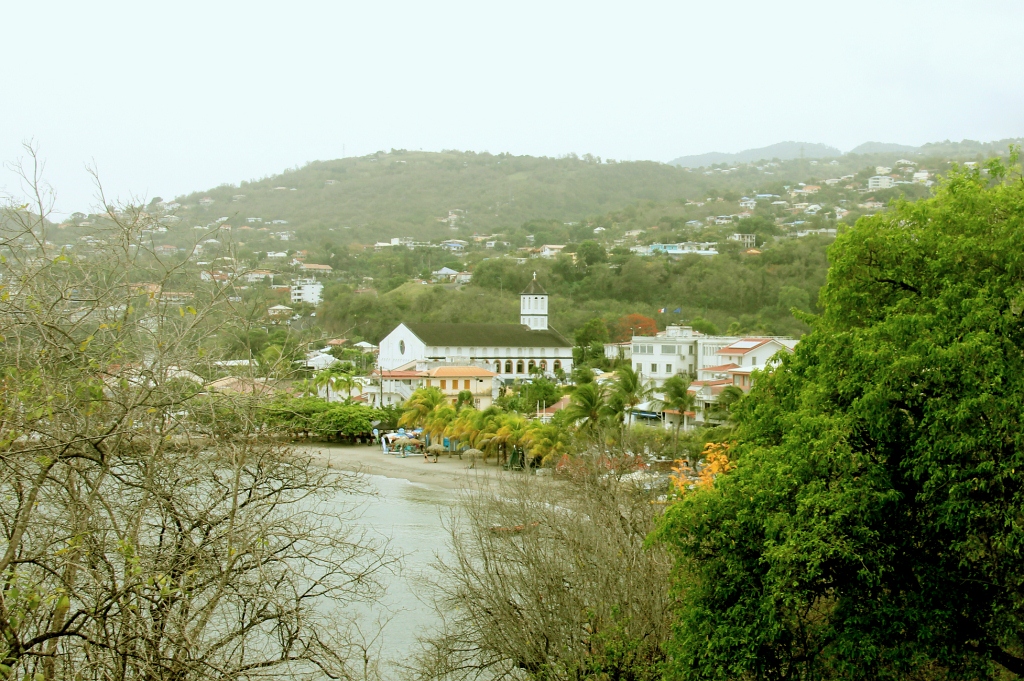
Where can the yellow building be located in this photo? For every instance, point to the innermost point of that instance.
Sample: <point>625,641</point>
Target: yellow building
<point>452,380</point>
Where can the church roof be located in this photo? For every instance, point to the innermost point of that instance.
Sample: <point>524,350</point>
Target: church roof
<point>483,335</point>
<point>534,289</point>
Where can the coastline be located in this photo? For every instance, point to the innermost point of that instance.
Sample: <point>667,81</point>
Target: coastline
<point>447,473</point>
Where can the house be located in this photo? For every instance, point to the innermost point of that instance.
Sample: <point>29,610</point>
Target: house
<point>551,250</point>
<point>681,350</point>
<point>366,347</point>
<point>318,360</point>
<point>832,182</point>
<point>454,245</point>
<point>313,268</point>
<point>511,351</point>
<point>881,182</point>
<point>463,277</point>
<point>276,255</point>
<point>241,384</point>
<point>882,170</point>
<point>336,342</point>
<point>444,274</point>
<point>746,240</point>
<point>257,276</point>
<point>546,413</point>
<point>922,176</point>
<point>749,204</point>
<point>165,250</point>
<point>393,387</point>
<point>279,311</point>
<point>816,232</point>
<point>206,201</point>
<point>307,291</point>
<point>453,380</point>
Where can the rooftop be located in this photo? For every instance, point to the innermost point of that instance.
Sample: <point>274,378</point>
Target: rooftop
<point>483,335</point>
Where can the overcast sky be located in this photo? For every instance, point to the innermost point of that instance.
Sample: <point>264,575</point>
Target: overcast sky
<point>169,97</point>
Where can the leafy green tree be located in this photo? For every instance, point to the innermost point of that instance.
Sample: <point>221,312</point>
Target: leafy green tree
<point>872,527</point>
<point>591,253</point>
<point>630,388</point>
<point>420,404</point>
<point>345,420</point>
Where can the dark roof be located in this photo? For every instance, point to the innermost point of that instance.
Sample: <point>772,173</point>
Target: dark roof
<point>488,335</point>
<point>534,289</point>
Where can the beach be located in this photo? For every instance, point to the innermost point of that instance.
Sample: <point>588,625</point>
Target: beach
<point>447,473</point>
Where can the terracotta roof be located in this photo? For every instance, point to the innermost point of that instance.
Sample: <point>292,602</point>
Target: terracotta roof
<point>401,374</point>
<point>734,350</point>
<point>557,406</point>
<point>721,367</point>
<point>459,372</point>
<point>484,335</point>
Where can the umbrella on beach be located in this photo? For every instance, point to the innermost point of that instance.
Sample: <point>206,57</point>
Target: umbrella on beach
<point>473,452</point>
<point>436,448</point>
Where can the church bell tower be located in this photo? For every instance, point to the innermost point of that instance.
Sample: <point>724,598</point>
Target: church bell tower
<point>533,306</point>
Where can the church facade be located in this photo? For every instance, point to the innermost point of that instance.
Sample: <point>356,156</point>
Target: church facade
<point>511,351</point>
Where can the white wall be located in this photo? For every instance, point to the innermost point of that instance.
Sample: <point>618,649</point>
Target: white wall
<point>391,355</point>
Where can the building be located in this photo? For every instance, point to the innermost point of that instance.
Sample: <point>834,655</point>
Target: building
<point>881,182</point>
<point>257,276</point>
<point>551,250</point>
<point>746,240</point>
<point>279,311</point>
<point>681,350</point>
<point>307,291</point>
<point>511,351</point>
<point>444,274</point>
<point>453,380</point>
<point>310,268</point>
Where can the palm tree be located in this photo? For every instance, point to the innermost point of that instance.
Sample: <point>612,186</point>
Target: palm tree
<point>420,403</point>
<point>347,382</point>
<point>677,396</point>
<point>630,388</point>
<point>586,406</point>
<point>510,432</point>
<point>439,420</point>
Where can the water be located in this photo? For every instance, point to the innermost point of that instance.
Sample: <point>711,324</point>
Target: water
<point>409,515</point>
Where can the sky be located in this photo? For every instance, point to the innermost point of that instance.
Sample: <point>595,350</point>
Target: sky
<point>163,98</point>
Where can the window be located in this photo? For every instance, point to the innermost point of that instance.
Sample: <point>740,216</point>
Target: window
<point>544,365</point>
<point>668,368</point>
<point>497,367</point>
<point>753,361</point>
<point>444,384</point>
<point>689,368</point>
<point>472,351</point>
<point>508,366</point>
<point>691,350</point>
<point>558,364</point>
<point>639,368</point>
<point>465,384</point>
<point>532,364</point>
<point>519,367</point>
<point>447,351</point>
<point>654,368</point>
<point>668,349</point>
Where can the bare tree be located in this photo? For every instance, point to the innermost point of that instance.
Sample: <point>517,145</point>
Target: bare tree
<point>149,529</point>
<point>552,581</point>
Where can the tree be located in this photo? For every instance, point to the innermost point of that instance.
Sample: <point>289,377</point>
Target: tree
<point>552,583</point>
<point>676,395</point>
<point>151,530</point>
<point>871,525</point>
<point>585,405</point>
<point>631,388</point>
<point>591,253</point>
<point>420,404</point>
<point>634,325</point>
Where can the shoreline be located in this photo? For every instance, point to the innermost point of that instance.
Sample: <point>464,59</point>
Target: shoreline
<point>447,473</point>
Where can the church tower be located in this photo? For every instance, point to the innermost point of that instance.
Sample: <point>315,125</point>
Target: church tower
<point>533,306</point>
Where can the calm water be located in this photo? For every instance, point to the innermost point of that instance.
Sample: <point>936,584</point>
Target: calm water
<point>410,516</point>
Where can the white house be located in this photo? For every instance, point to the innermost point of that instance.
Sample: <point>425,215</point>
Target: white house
<point>550,250</point>
<point>881,182</point>
<point>307,291</point>
<point>509,350</point>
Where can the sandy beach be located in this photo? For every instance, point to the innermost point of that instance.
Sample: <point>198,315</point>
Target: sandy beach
<point>447,473</point>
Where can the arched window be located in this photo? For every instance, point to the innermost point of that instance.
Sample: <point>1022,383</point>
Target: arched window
<point>508,352</point>
<point>508,366</point>
<point>447,351</point>
<point>497,366</point>
<point>544,365</point>
<point>532,364</point>
<point>558,364</point>
<point>519,367</point>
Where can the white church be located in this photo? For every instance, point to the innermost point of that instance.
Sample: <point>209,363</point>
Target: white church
<point>509,350</point>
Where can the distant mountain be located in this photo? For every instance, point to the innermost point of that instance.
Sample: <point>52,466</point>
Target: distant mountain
<point>784,151</point>
<point>787,151</point>
<point>882,148</point>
